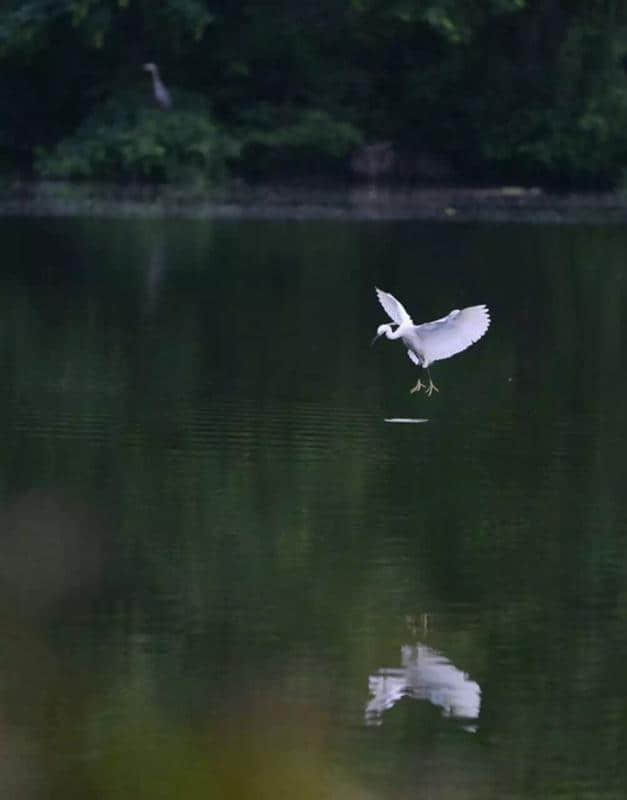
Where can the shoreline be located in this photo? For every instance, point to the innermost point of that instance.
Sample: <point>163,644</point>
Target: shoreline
<point>279,202</point>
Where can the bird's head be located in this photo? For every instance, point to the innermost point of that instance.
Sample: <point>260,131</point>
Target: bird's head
<point>385,329</point>
<point>150,67</point>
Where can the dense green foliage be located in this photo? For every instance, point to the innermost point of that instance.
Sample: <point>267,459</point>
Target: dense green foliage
<point>126,140</point>
<point>521,90</point>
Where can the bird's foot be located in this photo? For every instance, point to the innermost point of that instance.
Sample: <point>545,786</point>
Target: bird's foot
<point>431,388</point>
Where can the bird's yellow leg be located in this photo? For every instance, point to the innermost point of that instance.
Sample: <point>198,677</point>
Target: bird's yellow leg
<point>431,388</point>
<point>420,385</point>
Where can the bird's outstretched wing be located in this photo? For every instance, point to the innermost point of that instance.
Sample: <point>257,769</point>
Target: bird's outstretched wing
<point>393,308</point>
<point>444,337</point>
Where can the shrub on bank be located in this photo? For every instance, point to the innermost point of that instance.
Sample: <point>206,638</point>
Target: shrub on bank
<point>303,142</point>
<point>125,140</point>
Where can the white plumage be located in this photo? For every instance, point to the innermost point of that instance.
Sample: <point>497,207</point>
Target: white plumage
<point>433,341</point>
<point>395,310</point>
<point>445,337</point>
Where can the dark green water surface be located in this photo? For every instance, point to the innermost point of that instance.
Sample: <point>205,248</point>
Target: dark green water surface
<point>224,575</point>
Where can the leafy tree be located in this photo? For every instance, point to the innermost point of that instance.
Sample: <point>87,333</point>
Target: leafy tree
<point>525,90</point>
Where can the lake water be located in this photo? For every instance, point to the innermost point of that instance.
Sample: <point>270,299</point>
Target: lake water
<point>224,574</point>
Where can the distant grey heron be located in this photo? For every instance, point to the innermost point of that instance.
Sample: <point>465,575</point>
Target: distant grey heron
<point>162,95</point>
<point>432,341</point>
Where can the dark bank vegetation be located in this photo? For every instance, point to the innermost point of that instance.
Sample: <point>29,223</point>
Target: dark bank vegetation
<point>447,91</point>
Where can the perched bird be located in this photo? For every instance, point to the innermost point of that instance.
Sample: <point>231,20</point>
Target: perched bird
<point>162,95</point>
<point>432,341</point>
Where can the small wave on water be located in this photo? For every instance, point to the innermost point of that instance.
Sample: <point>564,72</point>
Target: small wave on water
<point>406,420</point>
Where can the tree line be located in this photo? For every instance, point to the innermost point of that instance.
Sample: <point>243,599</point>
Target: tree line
<point>527,91</point>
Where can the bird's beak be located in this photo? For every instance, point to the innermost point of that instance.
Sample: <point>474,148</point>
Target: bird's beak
<point>376,336</point>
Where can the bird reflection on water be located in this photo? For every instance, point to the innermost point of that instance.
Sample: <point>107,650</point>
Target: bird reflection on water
<point>425,674</point>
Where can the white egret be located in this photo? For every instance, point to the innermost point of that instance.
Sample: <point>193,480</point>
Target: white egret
<point>432,341</point>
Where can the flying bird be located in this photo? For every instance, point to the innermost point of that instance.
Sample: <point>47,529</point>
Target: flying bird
<point>432,341</point>
<point>162,95</point>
